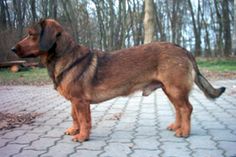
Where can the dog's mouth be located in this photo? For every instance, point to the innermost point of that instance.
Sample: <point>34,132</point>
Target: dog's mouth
<point>29,56</point>
<point>24,55</point>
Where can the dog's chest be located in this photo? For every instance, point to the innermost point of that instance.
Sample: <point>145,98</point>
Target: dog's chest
<point>62,90</point>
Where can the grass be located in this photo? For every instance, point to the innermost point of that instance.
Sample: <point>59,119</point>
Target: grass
<point>219,65</point>
<point>29,76</point>
<point>39,76</point>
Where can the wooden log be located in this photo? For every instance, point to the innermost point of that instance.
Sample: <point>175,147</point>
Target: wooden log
<point>11,63</point>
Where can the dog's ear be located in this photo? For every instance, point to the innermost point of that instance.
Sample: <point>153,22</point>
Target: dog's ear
<point>49,34</point>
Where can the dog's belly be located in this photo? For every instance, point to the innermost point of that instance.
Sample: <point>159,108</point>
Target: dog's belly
<point>100,95</point>
<point>108,93</point>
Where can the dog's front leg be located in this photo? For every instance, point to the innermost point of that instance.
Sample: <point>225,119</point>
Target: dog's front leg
<point>83,115</point>
<point>74,129</point>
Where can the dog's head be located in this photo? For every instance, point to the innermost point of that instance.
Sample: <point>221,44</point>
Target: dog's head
<point>39,40</point>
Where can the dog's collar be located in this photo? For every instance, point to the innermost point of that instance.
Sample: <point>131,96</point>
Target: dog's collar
<point>60,77</point>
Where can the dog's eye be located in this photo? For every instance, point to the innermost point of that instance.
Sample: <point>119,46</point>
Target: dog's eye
<point>58,34</point>
<point>33,34</point>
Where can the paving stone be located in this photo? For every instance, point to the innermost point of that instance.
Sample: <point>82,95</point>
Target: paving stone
<point>168,136</point>
<point>42,144</point>
<point>54,122</point>
<point>59,150</point>
<point>94,144</point>
<point>3,142</point>
<point>13,134</point>
<point>213,125</point>
<point>175,149</point>
<point>223,135</point>
<point>148,99</point>
<point>86,153</point>
<point>146,153</point>
<point>57,132</point>
<point>228,122</point>
<point>108,123</point>
<point>147,122</point>
<point>124,126</point>
<point>166,118</point>
<point>148,108</point>
<point>197,130</point>
<point>142,142</point>
<point>228,147</point>
<point>121,136</point>
<point>64,125</point>
<point>41,129</point>
<point>204,142</point>
<point>127,119</point>
<point>26,138</point>
<point>147,116</point>
<point>146,131</point>
<point>100,131</point>
<point>207,153</point>
<point>117,150</point>
<point>29,153</point>
<point>10,149</point>
<point>164,123</point>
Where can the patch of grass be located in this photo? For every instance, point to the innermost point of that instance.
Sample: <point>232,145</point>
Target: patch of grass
<point>29,76</point>
<point>220,65</point>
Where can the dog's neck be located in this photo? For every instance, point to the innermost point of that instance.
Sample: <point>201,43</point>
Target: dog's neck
<point>64,54</point>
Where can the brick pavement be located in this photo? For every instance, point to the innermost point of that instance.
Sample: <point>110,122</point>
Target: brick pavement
<point>132,126</point>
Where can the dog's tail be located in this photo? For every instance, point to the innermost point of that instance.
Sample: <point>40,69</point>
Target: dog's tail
<point>203,83</point>
<point>207,88</point>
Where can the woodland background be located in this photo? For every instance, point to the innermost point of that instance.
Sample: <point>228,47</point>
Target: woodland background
<point>205,27</point>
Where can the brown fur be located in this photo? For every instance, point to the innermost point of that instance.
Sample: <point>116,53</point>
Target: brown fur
<point>86,76</point>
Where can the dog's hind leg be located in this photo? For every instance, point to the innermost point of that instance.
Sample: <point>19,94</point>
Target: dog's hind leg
<point>182,124</point>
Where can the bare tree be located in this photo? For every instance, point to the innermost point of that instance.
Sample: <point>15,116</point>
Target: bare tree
<point>53,9</point>
<point>234,35</point>
<point>149,23</point>
<point>196,27</point>
<point>33,10</point>
<point>227,28</point>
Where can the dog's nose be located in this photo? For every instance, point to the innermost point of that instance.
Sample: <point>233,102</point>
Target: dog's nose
<point>13,49</point>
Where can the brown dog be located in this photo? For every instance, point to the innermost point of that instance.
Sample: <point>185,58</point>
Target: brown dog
<point>86,76</point>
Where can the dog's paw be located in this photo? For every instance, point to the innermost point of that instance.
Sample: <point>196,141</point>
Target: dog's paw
<point>173,127</point>
<point>80,138</point>
<point>71,131</point>
<point>181,133</point>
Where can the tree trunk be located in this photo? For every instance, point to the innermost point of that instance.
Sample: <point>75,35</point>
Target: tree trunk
<point>227,31</point>
<point>3,20</point>
<point>19,7</point>
<point>8,15</point>
<point>149,24</point>
<point>159,23</point>
<point>196,29</point>
<point>33,10</point>
<point>111,25</point>
<point>53,9</point>
<point>44,4</point>
<point>234,35</point>
<point>220,31</point>
<point>100,16</point>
